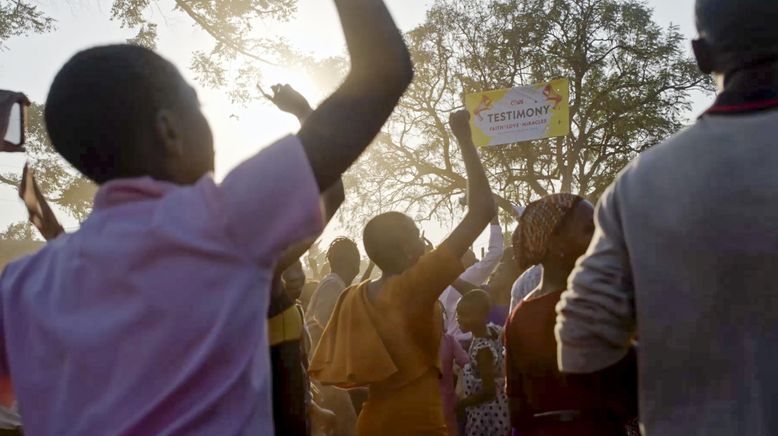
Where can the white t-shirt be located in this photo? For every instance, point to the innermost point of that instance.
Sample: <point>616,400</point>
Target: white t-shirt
<point>525,284</point>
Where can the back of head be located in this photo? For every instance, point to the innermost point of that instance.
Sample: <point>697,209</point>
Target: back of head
<point>538,223</point>
<point>294,279</point>
<point>738,32</point>
<point>392,242</point>
<point>469,259</point>
<point>101,108</point>
<point>343,257</point>
<point>477,300</point>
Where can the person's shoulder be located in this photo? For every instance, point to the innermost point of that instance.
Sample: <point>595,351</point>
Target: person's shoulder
<point>333,278</point>
<point>441,257</point>
<point>649,174</point>
<point>494,336</point>
<point>355,289</point>
<point>33,256</point>
<point>495,331</point>
<point>671,152</point>
<point>331,283</point>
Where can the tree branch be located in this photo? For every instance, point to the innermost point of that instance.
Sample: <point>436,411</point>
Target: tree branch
<point>217,35</point>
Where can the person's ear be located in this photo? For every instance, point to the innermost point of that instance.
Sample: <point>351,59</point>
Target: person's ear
<point>704,55</point>
<point>169,131</point>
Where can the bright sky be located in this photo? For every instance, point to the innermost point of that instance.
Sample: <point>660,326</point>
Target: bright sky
<point>30,63</point>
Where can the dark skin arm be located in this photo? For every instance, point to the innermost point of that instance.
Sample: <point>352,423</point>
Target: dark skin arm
<point>290,101</point>
<point>40,213</point>
<point>340,129</point>
<point>463,286</point>
<point>480,202</point>
<point>428,246</point>
<point>488,390</point>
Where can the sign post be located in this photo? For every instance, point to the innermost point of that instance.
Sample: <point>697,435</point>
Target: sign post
<point>520,114</point>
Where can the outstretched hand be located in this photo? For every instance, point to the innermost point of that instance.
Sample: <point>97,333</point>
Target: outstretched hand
<point>459,122</point>
<point>289,100</point>
<point>40,213</point>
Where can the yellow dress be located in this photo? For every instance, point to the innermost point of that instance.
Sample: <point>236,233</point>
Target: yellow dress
<point>391,345</point>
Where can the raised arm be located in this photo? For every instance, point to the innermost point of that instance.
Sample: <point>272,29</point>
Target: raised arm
<point>40,213</point>
<point>290,101</point>
<point>480,203</point>
<point>479,272</point>
<point>339,130</point>
<point>463,286</point>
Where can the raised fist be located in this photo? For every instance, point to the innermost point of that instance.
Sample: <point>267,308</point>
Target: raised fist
<point>460,124</point>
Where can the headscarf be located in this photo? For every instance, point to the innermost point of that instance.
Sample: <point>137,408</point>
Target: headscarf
<point>538,222</point>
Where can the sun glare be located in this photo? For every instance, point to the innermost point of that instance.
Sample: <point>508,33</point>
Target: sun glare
<point>240,132</point>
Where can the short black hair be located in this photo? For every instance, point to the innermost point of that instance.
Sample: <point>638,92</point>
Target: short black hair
<point>296,266</point>
<point>732,26</point>
<point>101,107</point>
<point>384,240</point>
<point>478,299</point>
<point>343,250</point>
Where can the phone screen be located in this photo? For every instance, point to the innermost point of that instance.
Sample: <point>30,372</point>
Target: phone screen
<point>14,133</point>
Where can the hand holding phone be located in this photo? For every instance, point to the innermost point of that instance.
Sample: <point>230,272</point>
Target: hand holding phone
<point>12,120</point>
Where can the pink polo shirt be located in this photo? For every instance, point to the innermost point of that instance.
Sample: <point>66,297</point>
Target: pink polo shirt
<point>151,319</point>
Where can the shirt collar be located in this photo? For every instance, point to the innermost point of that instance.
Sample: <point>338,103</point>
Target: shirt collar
<point>737,103</point>
<point>121,191</point>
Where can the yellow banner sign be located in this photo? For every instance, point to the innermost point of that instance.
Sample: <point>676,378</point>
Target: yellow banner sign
<point>520,114</point>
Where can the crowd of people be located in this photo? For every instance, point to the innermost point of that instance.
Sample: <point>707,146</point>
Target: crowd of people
<point>180,305</point>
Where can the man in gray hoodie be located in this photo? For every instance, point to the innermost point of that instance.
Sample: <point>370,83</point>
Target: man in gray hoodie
<point>685,253</point>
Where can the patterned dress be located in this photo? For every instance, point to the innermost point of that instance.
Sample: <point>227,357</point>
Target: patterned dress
<point>487,419</point>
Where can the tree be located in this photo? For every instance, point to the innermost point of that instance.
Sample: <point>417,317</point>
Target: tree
<point>240,48</point>
<point>20,231</point>
<point>630,89</point>
<point>19,18</point>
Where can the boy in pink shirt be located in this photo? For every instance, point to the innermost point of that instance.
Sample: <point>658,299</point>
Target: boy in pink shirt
<point>150,319</point>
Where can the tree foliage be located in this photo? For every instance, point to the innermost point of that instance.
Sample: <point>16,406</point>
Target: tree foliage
<point>19,231</point>
<point>236,41</point>
<point>20,18</point>
<point>630,88</point>
<point>240,46</point>
<point>630,80</point>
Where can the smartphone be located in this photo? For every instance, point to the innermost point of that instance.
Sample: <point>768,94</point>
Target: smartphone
<point>14,135</point>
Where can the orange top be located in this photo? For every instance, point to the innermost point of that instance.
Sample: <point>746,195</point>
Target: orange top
<point>394,340</point>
